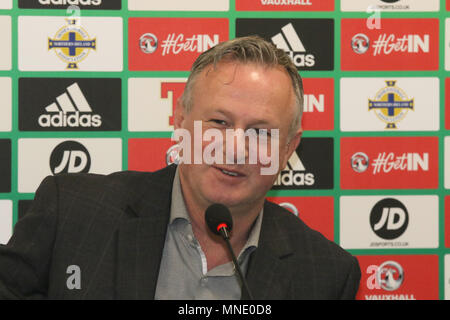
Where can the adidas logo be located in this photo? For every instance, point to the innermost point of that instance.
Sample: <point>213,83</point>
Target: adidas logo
<point>294,174</point>
<point>71,109</point>
<point>289,41</point>
<point>71,2</point>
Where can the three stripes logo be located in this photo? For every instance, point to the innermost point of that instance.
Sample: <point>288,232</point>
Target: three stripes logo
<point>289,41</point>
<point>295,174</point>
<point>309,167</point>
<point>71,109</point>
<point>309,42</point>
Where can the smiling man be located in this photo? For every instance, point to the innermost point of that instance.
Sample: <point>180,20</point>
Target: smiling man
<point>233,94</point>
<point>134,235</point>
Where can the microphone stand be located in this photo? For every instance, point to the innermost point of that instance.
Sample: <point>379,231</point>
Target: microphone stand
<point>226,237</point>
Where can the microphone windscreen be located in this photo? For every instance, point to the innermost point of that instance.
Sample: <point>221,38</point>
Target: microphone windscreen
<point>218,214</point>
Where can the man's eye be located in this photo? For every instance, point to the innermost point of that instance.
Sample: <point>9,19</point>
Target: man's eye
<point>221,122</point>
<point>262,131</point>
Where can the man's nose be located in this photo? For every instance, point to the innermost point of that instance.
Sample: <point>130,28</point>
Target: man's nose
<point>236,148</point>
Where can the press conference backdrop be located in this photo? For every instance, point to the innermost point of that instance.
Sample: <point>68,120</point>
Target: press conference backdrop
<point>93,90</point>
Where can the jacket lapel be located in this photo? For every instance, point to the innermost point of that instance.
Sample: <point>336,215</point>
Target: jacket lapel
<point>142,236</point>
<point>267,273</point>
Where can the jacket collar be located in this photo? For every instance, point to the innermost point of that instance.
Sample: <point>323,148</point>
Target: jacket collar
<point>267,274</point>
<point>152,198</point>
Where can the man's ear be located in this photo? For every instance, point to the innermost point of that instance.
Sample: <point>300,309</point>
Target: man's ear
<point>179,115</point>
<point>292,146</point>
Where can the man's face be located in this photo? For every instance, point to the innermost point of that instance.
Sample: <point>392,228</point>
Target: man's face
<point>237,96</point>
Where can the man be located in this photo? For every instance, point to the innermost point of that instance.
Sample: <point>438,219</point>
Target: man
<point>133,235</point>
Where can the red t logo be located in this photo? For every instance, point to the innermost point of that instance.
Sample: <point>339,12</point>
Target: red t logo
<point>177,89</point>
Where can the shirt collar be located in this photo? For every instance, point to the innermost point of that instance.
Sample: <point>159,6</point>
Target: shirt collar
<point>178,210</point>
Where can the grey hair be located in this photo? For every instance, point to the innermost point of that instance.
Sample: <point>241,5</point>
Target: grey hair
<point>250,49</point>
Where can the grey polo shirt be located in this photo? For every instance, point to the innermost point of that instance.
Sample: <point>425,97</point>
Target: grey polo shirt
<point>183,273</point>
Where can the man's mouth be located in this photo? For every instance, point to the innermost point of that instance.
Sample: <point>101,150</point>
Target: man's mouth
<point>231,173</point>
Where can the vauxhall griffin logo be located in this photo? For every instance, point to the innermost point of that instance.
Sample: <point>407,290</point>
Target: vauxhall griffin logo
<point>390,275</point>
<point>71,109</point>
<point>289,41</point>
<point>148,43</point>
<point>360,162</point>
<point>389,218</point>
<point>70,157</point>
<point>360,43</point>
<point>173,155</point>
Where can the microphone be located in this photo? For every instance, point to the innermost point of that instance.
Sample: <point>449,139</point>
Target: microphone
<point>219,220</point>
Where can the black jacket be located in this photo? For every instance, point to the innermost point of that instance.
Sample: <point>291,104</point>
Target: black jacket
<point>113,228</point>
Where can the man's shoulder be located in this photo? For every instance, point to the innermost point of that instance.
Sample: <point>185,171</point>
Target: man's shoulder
<point>116,181</point>
<point>93,181</point>
<point>301,237</point>
<point>115,190</point>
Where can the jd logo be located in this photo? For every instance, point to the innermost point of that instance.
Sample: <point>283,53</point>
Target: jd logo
<point>70,157</point>
<point>389,218</point>
<point>74,280</point>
